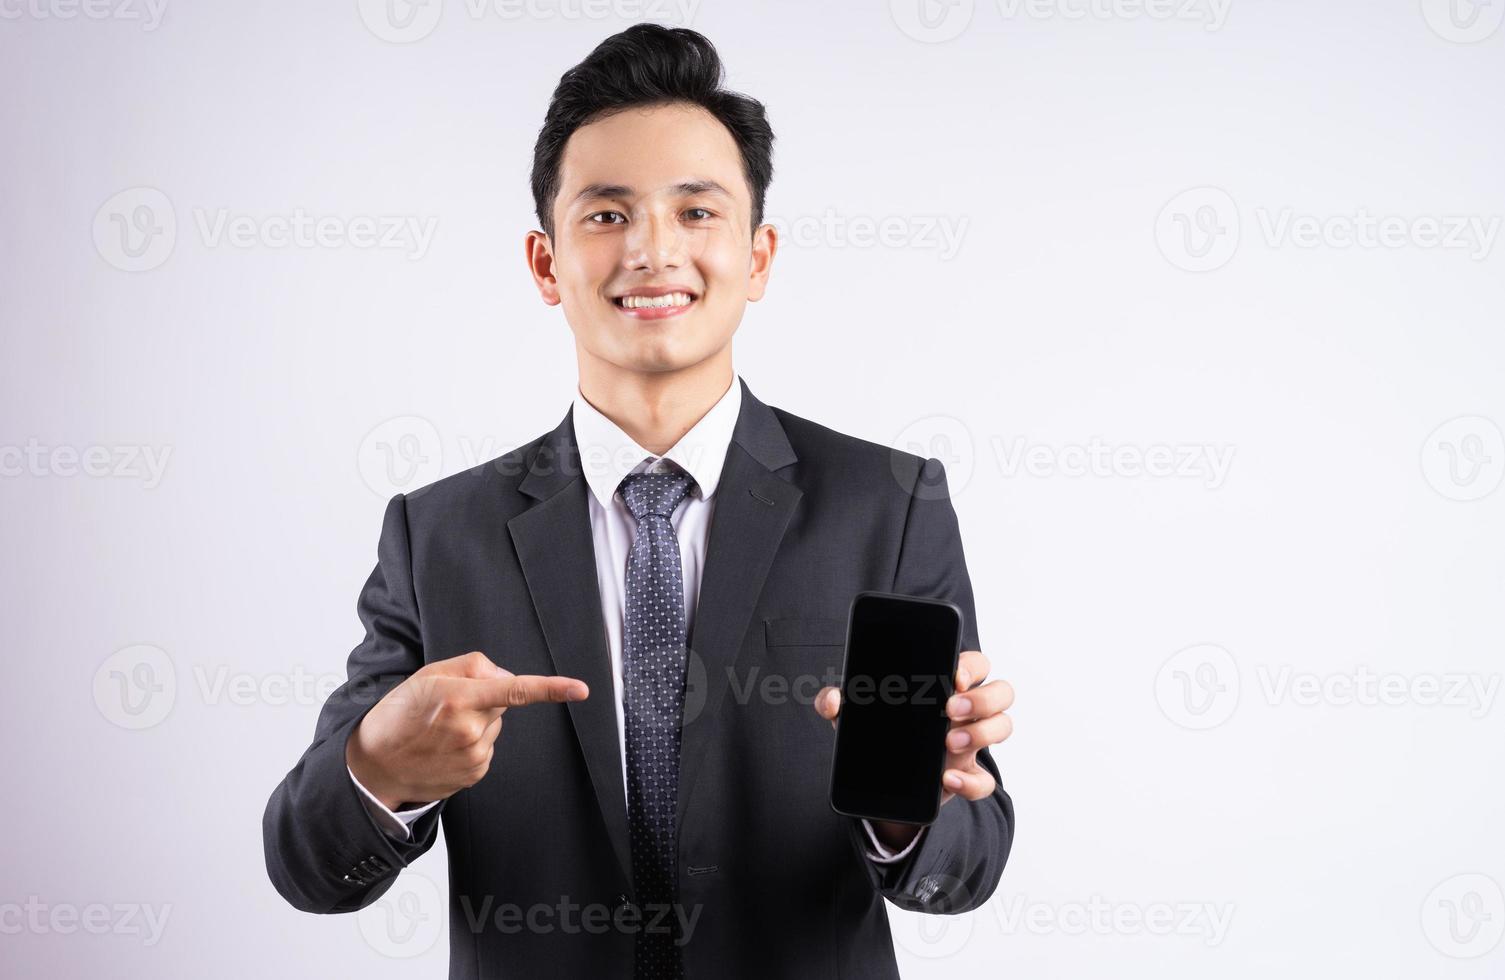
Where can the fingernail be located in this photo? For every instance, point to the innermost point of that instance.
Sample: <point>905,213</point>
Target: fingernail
<point>578,692</point>
<point>961,707</point>
<point>963,679</point>
<point>958,740</point>
<point>953,781</point>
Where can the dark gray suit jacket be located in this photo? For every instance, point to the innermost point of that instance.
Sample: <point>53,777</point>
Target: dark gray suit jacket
<point>499,559</point>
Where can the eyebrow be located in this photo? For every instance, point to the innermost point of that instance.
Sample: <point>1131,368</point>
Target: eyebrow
<point>685,188</point>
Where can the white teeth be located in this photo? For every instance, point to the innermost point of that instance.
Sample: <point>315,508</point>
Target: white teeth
<point>654,302</point>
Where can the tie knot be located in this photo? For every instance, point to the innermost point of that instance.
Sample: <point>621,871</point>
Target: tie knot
<point>655,493</point>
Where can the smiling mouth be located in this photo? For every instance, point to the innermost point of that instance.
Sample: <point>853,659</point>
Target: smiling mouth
<point>655,307</point>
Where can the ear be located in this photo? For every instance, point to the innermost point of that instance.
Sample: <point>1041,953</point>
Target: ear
<point>540,257</point>
<point>765,244</point>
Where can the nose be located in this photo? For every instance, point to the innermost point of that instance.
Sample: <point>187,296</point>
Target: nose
<point>656,241</point>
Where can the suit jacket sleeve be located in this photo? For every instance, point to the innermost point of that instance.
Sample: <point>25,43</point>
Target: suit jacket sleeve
<point>324,850</point>
<point>961,856</point>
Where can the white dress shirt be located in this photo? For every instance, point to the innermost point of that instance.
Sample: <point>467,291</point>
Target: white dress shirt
<point>608,454</point>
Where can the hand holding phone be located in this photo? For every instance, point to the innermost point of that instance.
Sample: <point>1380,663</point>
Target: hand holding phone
<point>898,677</point>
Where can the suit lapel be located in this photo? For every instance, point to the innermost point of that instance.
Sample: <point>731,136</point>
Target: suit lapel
<point>753,507</point>
<point>558,558</point>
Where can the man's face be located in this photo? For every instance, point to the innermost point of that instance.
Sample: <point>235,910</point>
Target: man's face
<point>652,198</point>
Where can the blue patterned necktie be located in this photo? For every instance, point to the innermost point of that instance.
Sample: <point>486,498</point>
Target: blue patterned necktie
<point>654,658</point>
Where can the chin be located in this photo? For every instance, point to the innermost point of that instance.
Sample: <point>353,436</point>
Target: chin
<point>661,364</point>
<point>655,354</point>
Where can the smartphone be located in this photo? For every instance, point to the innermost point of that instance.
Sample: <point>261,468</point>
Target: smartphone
<point>899,671</point>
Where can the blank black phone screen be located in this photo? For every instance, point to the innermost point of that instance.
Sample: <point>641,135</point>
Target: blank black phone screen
<point>891,733</point>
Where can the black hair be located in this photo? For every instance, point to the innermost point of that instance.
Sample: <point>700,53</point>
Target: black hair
<point>649,65</point>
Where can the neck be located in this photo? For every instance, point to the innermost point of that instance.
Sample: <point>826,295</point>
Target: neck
<point>655,408</point>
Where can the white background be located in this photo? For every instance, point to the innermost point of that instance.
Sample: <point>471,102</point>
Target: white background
<point>1169,760</point>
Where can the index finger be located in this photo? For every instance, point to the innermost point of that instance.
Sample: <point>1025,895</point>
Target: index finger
<point>520,690</point>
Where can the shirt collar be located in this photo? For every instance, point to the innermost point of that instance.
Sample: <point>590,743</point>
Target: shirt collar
<point>608,454</point>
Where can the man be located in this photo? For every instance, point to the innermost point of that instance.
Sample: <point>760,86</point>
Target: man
<point>648,599</point>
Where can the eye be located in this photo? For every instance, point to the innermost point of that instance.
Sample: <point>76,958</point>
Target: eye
<point>703,211</point>
<point>601,214</point>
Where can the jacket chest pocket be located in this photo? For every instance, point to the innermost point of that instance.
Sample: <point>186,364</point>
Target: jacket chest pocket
<point>801,656</point>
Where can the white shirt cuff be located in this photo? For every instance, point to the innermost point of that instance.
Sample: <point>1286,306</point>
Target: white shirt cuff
<point>396,825</point>
<point>882,855</point>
